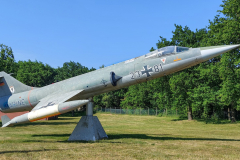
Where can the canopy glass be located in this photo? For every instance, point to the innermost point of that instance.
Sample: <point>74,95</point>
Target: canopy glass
<point>166,51</point>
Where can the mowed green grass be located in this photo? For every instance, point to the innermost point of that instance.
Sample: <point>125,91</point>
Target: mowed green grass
<point>130,137</point>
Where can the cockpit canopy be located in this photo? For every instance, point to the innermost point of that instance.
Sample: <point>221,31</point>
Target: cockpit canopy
<point>181,49</point>
<point>167,51</point>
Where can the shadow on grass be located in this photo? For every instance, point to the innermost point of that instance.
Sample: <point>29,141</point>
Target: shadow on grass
<point>45,123</point>
<point>157,137</point>
<point>179,119</point>
<point>213,121</point>
<point>207,121</point>
<point>68,118</point>
<point>51,135</point>
<point>28,151</point>
<point>133,136</point>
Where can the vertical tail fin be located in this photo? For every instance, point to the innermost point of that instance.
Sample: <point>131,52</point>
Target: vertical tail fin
<point>9,85</point>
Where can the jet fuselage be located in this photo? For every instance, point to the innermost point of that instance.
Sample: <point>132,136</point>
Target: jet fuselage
<point>150,66</point>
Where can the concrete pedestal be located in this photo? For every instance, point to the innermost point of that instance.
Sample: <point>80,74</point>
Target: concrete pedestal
<point>88,128</point>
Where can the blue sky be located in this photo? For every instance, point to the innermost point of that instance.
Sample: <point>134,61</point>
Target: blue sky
<point>95,32</point>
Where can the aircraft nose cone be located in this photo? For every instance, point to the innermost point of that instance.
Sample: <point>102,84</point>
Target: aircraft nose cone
<point>211,52</point>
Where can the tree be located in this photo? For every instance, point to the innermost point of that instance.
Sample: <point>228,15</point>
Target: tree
<point>152,49</point>
<point>183,83</point>
<point>188,38</point>
<point>70,69</point>
<point>230,74</point>
<point>137,96</point>
<point>35,73</point>
<point>226,30</point>
<point>163,93</point>
<point>7,61</point>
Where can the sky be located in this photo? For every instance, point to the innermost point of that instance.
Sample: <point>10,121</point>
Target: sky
<point>94,32</point>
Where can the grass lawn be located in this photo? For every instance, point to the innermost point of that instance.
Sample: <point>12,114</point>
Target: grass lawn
<point>130,137</point>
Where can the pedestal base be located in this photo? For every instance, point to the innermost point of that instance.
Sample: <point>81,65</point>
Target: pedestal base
<point>88,128</point>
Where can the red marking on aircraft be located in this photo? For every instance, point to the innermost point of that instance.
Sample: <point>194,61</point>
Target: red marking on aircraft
<point>29,99</point>
<point>65,108</point>
<point>163,60</point>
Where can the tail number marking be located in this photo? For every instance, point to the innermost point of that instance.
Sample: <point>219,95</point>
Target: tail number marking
<point>138,74</point>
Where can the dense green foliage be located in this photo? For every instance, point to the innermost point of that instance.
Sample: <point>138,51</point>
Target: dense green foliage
<point>209,89</point>
<point>7,62</point>
<point>70,69</point>
<point>35,73</point>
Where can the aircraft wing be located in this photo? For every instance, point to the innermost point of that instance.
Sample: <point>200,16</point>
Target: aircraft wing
<point>55,99</point>
<point>49,106</point>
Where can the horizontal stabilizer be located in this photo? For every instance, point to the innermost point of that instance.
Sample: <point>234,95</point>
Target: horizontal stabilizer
<point>5,119</point>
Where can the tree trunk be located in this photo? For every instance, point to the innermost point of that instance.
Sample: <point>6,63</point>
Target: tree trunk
<point>190,116</point>
<point>229,115</point>
<point>233,115</point>
<point>72,113</point>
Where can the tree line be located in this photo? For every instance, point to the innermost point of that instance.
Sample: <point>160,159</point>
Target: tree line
<point>35,73</point>
<point>208,89</point>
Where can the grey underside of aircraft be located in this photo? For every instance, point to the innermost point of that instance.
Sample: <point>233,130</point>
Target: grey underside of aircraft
<point>69,94</point>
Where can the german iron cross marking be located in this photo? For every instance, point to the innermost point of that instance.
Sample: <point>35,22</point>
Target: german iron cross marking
<point>146,71</point>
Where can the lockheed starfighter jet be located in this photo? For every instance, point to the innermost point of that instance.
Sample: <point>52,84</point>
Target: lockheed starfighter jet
<point>67,95</point>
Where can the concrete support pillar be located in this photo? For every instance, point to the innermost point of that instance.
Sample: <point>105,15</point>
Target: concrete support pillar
<point>89,127</point>
<point>90,105</point>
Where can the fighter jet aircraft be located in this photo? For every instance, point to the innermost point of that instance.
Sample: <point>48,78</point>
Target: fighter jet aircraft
<point>67,95</point>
